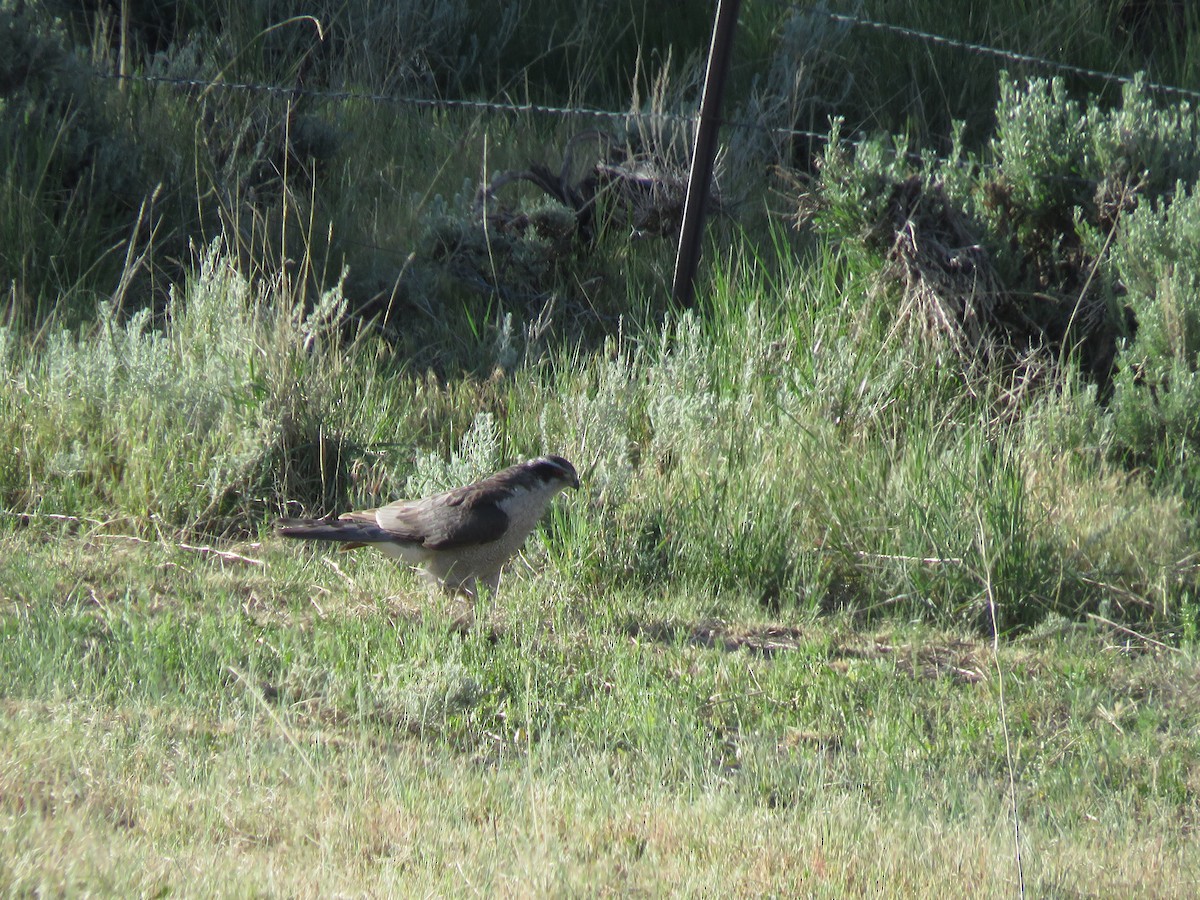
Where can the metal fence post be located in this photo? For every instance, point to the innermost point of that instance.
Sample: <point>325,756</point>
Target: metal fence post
<point>691,231</point>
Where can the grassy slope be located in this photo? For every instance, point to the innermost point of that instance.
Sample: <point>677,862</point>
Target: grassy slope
<point>661,703</point>
<point>671,697</point>
<point>668,700</point>
<point>304,727</point>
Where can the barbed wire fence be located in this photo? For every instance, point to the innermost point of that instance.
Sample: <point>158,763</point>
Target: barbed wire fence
<point>1009,55</point>
<point>627,117</point>
<point>639,123</point>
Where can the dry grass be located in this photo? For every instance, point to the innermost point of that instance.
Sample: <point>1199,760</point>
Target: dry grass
<point>614,744</point>
<point>122,804</point>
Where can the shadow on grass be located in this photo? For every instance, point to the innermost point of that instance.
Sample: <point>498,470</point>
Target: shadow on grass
<point>764,641</point>
<point>961,660</point>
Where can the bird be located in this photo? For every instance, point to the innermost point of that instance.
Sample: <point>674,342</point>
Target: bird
<point>457,538</point>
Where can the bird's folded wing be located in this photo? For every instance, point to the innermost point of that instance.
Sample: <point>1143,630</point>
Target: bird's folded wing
<point>443,522</point>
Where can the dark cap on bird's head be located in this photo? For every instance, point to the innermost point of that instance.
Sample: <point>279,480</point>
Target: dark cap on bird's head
<point>554,468</point>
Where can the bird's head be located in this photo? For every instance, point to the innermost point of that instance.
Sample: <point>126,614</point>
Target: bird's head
<point>554,470</point>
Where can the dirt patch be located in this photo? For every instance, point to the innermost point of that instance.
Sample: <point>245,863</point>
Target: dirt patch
<point>961,660</point>
<point>763,640</point>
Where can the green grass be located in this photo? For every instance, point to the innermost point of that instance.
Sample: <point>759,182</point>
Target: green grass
<point>752,651</point>
<point>832,613</point>
<point>772,444</point>
<point>291,726</point>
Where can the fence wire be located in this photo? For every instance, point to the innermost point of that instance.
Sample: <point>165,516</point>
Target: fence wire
<point>398,100</point>
<point>1010,55</point>
<point>628,117</point>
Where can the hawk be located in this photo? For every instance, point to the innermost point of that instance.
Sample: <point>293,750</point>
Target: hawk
<point>456,538</point>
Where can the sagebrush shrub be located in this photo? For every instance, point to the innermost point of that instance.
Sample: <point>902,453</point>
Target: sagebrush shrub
<point>1157,398</point>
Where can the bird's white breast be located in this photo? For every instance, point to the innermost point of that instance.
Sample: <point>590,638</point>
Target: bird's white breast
<point>524,507</point>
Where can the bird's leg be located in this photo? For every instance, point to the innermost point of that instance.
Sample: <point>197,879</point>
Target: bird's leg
<point>476,591</point>
<point>492,586</point>
<point>462,600</point>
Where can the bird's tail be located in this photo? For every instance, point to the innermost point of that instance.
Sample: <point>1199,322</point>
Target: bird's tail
<point>350,532</point>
